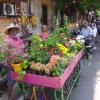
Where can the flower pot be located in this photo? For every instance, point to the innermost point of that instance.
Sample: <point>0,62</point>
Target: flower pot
<point>16,67</point>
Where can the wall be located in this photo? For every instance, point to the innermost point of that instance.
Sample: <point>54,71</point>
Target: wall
<point>36,9</point>
<point>5,21</point>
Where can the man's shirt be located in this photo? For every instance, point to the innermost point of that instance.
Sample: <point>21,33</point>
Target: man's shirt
<point>86,31</point>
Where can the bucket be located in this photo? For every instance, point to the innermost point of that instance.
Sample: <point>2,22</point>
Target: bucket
<point>16,67</point>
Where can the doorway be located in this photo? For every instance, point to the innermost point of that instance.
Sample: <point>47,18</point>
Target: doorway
<point>44,14</point>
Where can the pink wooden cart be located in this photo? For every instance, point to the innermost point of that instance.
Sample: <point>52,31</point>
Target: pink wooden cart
<point>52,82</point>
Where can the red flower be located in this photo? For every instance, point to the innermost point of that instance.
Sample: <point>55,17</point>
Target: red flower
<point>59,53</point>
<point>52,49</point>
<point>51,52</point>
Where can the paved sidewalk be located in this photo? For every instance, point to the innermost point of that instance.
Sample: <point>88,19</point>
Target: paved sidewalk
<point>89,83</point>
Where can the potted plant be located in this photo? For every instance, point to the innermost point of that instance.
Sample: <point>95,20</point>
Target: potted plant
<point>16,62</point>
<point>19,63</point>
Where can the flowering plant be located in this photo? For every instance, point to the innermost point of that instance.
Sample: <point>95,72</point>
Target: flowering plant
<point>2,47</point>
<point>63,49</point>
<point>53,54</point>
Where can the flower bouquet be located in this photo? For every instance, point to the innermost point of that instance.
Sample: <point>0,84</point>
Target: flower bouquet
<point>19,64</point>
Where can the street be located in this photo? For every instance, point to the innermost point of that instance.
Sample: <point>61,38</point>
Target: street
<point>88,87</point>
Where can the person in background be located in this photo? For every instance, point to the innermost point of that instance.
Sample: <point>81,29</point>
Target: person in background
<point>86,30</point>
<point>44,32</point>
<point>94,30</point>
<point>19,24</point>
<point>14,47</point>
<point>29,28</point>
<point>98,26</point>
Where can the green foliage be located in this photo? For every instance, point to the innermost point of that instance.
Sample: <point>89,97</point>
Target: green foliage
<point>25,64</point>
<point>84,5</point>
<point>41,56</point>
<point>59,68</point>
<point>98,12</point>
<point>3,72</point>
<point>36,45</point>
<point>2,46</point>
<point>37,52</point>
<point>55,37</point>
<point>60,4</point>
<point>2,55</point>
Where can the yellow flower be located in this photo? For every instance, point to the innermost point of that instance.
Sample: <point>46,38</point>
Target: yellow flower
<point>63,49</point>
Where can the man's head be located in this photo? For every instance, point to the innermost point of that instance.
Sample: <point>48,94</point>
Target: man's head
<point>85,23</point>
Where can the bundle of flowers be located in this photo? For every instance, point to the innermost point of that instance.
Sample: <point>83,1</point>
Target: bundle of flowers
<point>47,68</point>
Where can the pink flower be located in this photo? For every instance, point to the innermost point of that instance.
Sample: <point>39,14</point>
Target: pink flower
<point>51,53</point>
<point>54,59</point>
<point>25,55</point>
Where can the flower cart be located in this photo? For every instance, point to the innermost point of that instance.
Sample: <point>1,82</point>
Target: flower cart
<point>53,62</point>
<point>66,81</point>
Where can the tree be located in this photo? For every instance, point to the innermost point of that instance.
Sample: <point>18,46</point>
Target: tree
<point>84,5</point>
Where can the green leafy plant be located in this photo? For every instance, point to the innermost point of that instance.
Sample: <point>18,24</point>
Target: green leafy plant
<point>59,68</point>
<point>25,64</point>
<point>42,56</point>
<point>3,71</point>
<point>2,47</point>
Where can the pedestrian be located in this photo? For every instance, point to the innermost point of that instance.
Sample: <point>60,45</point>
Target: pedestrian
<point>44,32</point>
<point>98,26</point>
<point>14,46</point>
<point>94,30</point>
<point>20,26</point>
<point>29,28</point>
